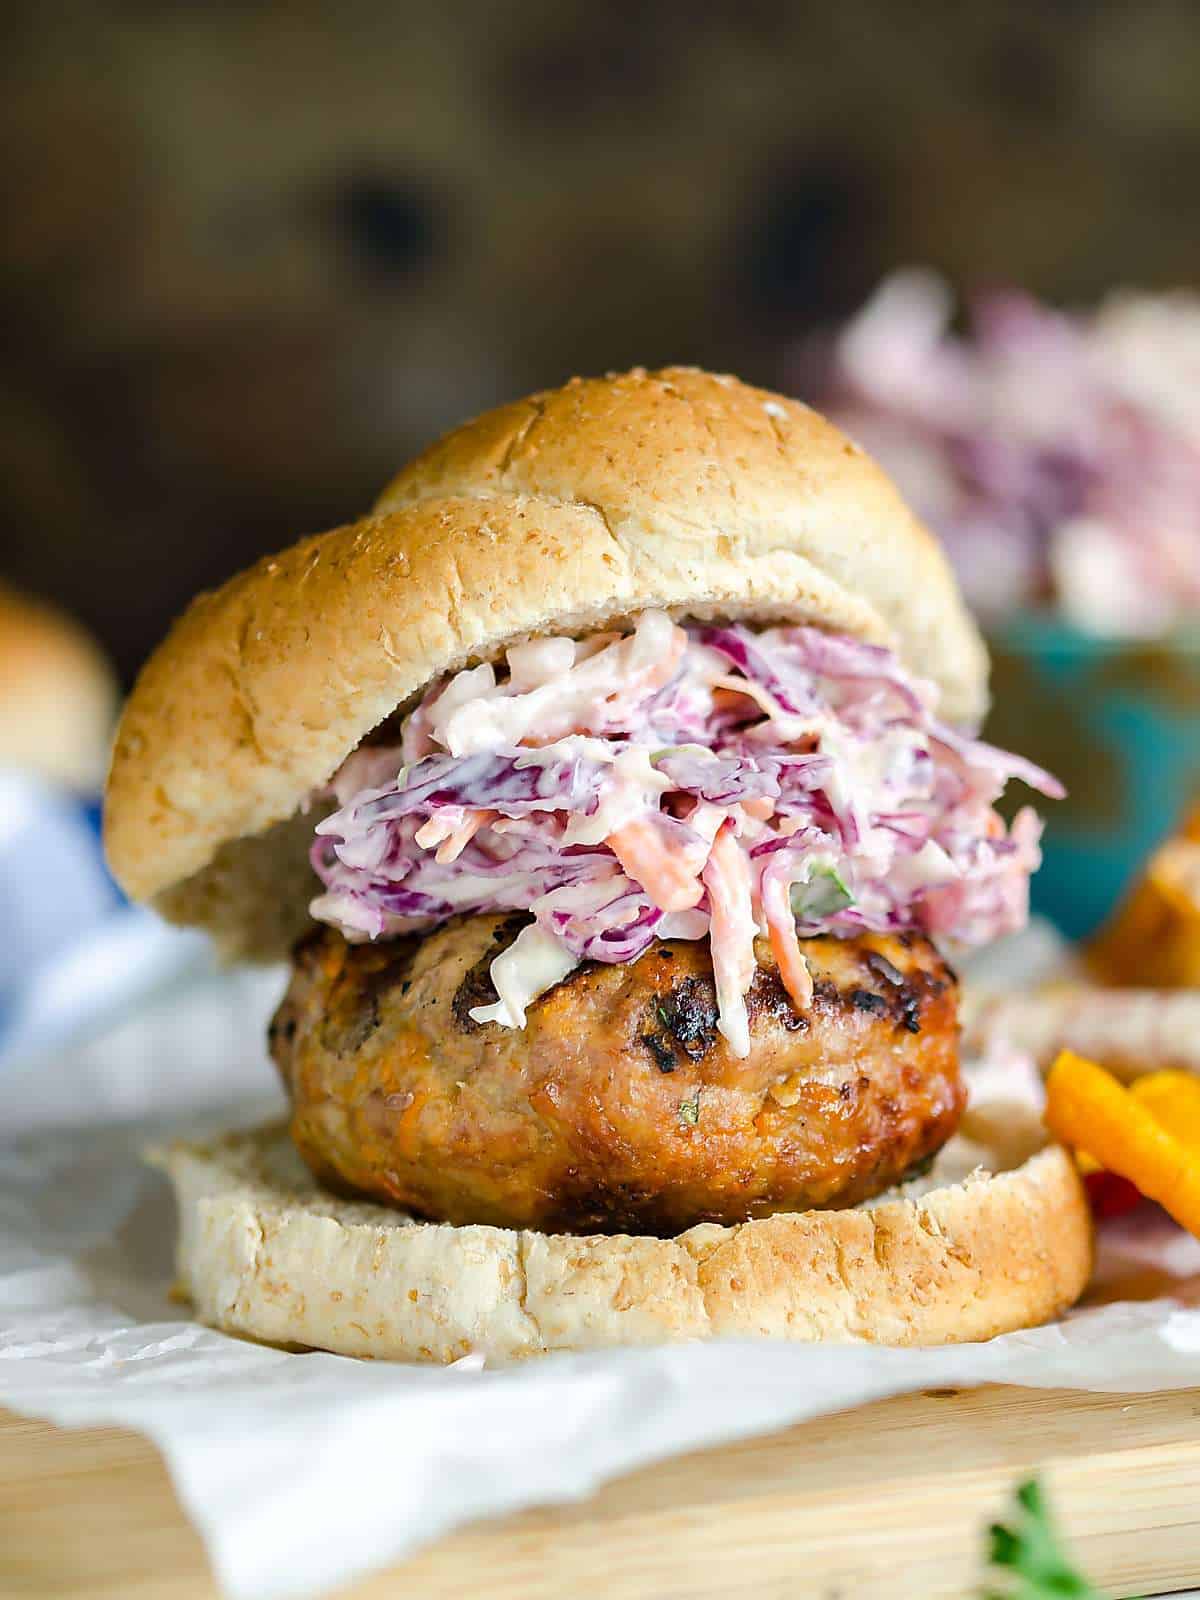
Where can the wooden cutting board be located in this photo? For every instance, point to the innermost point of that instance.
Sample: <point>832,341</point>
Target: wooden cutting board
<point>888,1501</point>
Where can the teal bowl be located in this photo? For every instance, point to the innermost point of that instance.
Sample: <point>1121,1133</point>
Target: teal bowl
<point>1119,722</point>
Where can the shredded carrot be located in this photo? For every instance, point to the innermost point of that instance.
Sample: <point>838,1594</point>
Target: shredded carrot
<point>760,806</point>
<point>727,878</point>
<point>1088,1109</point>
<point>664,671</point>
<point>726,697</point>
<point>453,847</point>
<point>746,689</point>
<point>731,921</point>
<point>781,931</point>
<point>432,832</point>
<point>656,673</point>
<point>666,878</point>
<point>451,839</point>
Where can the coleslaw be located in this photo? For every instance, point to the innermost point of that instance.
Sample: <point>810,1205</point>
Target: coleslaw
<point>1057,455</point>
<point>710,782</point>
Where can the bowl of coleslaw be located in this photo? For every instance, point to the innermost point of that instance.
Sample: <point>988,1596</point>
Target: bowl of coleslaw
<point>1057,455</point>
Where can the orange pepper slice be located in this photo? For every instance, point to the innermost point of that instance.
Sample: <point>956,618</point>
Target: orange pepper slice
<point>1088,1109</point>
<point>1172,1098</point>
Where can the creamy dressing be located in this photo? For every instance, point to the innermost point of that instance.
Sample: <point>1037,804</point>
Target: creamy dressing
<point>533,963</point>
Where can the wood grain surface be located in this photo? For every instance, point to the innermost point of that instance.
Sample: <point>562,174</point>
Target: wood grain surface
<point>888,1501</point>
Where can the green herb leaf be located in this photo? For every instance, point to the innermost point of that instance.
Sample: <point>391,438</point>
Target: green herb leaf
<point>689,1111</point>
<point>824,894</point>
<point>1028,1555</point>
<point>679,750</point>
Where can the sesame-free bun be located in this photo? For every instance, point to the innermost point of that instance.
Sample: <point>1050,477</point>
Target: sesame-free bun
<point>264,1252</point>
<point>563,513</point>
<point>59,698</point>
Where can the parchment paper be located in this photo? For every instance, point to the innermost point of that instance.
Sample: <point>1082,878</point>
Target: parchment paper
<point>302,1471</point>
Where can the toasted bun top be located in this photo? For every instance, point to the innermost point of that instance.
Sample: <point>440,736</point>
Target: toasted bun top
<point>59,699</point>
<point>562,513</point>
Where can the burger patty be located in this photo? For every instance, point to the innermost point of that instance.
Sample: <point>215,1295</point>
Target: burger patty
<point>619,1107</point>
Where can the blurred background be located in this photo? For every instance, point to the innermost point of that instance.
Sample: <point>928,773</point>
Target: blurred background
<point>255,255</point>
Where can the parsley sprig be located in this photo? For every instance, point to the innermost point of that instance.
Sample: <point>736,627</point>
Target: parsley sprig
<point>1029,1558</point>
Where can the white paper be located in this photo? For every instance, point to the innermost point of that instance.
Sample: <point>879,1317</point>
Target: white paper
<point>303,1471</point>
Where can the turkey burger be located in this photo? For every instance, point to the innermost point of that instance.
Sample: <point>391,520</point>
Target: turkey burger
<point>614,790</point>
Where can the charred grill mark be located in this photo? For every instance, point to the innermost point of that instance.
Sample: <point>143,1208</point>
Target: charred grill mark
<point>476,989</point>
<point>906,997</point>
<point>683,1019</point>
<point>395,966</point>
<point>768,998</point>
<point>688,1012</point>
<point>355,1011</point>
<point>663,1053</point>
<point>827,998</point>
<point>903,1003</point>
<point>864,1000</point>
<point>910,1010</point>
<point>342,1036</point>
<point>903,1000</point>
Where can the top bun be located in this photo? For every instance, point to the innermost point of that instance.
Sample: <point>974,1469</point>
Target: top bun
<point>563,513</point>
<point>60,697</point>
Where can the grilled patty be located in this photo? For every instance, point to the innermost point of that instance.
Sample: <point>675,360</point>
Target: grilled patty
<point>619,1108</point>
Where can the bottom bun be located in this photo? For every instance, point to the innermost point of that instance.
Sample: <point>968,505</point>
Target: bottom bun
<point>960,1255</point>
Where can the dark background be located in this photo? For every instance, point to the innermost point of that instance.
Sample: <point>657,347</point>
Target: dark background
<point>254,255</point>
